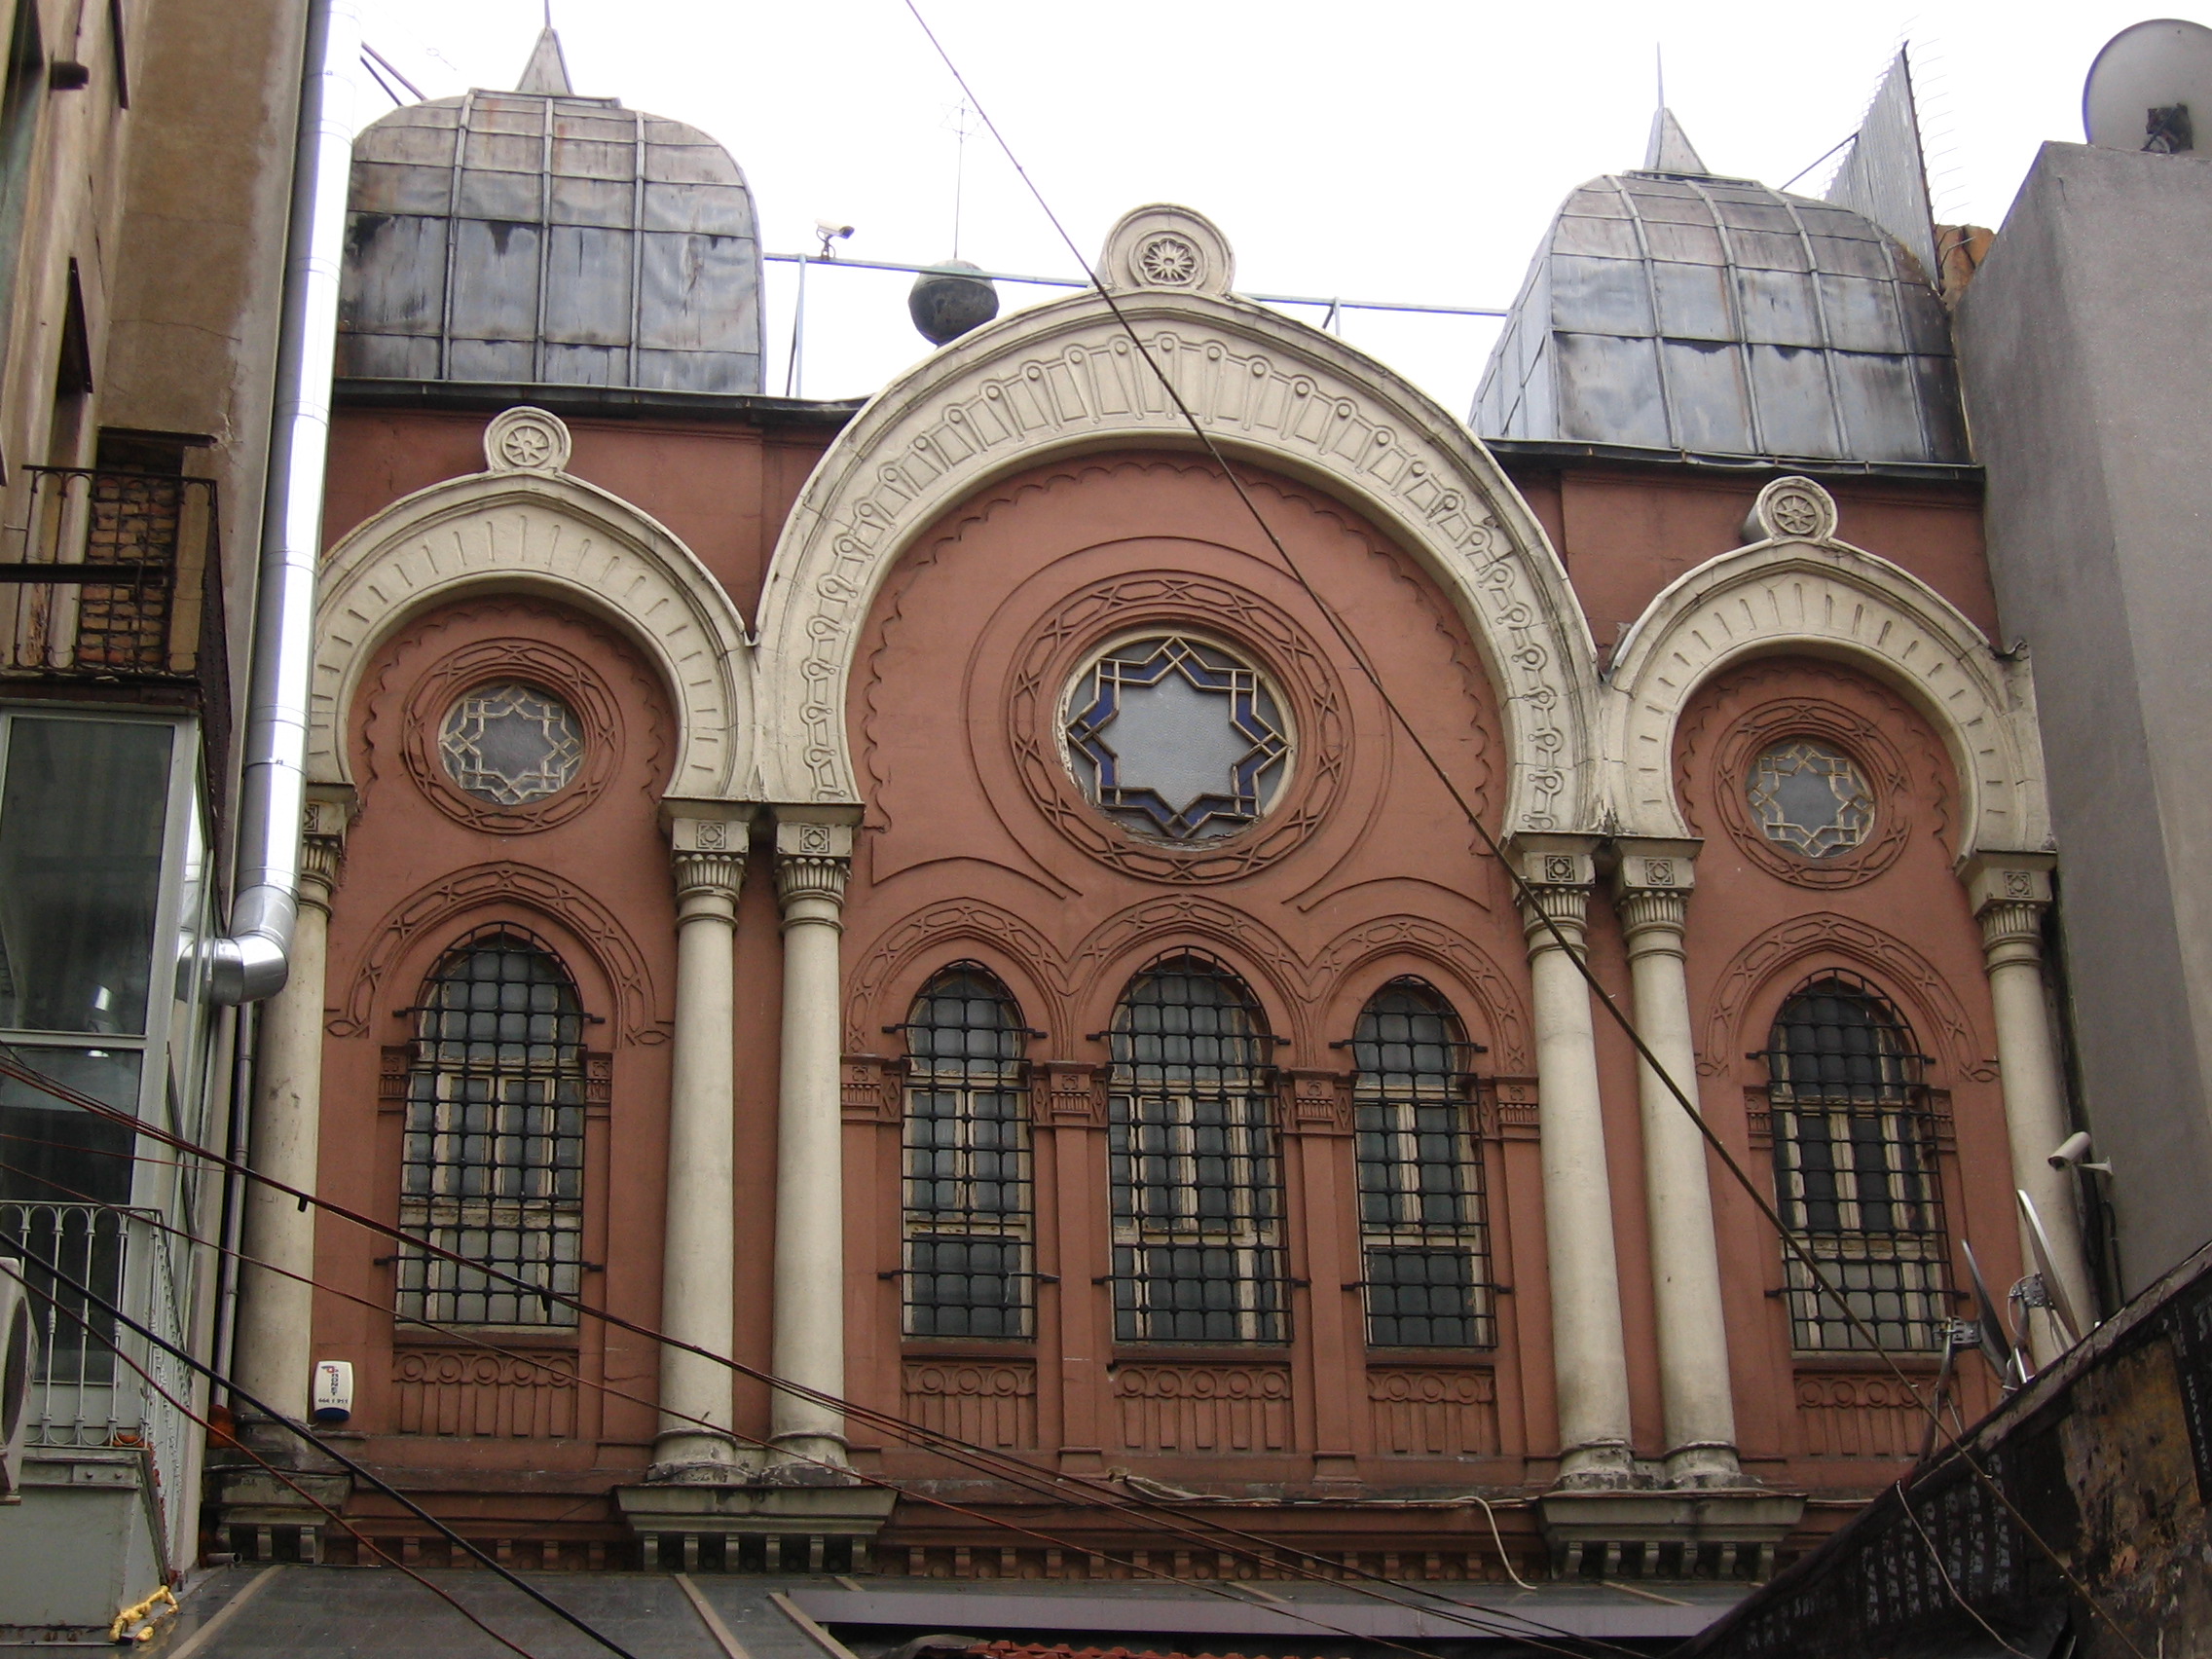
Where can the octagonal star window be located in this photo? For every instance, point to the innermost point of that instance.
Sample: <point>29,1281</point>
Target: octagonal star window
<point>511,743</point>
<point>1176,739</point>
<point>1810,798</point>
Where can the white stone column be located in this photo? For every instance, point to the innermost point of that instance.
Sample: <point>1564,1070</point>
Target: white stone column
<point>273,1349</point>
<point>698,1246</point>
<point>813,859</point>
<point>1651,889</point>
<point>1588,1352</point>
<point>2009,894</point>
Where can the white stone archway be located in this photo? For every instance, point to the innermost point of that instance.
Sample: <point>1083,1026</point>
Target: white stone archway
<point>1064,378</point>
<point>1801,589</point>
<point>533,529</point>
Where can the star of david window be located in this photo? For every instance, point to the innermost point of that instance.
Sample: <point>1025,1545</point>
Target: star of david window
<point>1175,739</point>
<point>1810,798</point>
<point>511,743</point>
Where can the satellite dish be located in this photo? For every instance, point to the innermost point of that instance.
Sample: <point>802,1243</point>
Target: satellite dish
<point>2150,89</point>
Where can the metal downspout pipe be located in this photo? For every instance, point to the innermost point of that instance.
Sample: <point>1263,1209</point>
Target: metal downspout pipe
<point>253,962</point>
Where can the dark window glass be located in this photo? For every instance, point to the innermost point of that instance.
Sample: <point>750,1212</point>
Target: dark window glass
<point>493,1165</point>
<point>968,1207</point>
<point>1856,1170</point>
<point>1196,1182</point>
<point>1423,1232</point>
<point>82,819</point>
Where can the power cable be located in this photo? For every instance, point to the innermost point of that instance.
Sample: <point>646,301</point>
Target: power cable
<point>984,1458</point>
<point>1525,893</point>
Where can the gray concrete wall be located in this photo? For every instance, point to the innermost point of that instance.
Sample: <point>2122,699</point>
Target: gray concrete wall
<point>2086,345</point>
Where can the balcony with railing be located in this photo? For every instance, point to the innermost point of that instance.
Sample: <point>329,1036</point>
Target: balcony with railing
<point>98,1386</point>
<point>112,576</point>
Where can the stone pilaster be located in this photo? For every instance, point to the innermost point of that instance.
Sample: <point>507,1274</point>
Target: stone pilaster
<point>698,1260</point>
<point>1651,889</point>
<point>1589,1355</point>
<point>2009,893</point>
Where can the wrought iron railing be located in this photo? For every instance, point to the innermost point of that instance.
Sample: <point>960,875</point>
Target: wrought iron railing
<point>108,573</point>
<point>88,1392</point>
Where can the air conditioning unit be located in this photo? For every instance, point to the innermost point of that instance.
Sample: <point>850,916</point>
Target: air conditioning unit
<point>19,1362</point>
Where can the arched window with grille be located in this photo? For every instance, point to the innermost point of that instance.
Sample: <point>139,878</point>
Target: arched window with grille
<point>1856,1170</point>
<point>970,1217</point>
<point>1423,1231</point>
<point>491,1164</point>
<point>1196,1178</point>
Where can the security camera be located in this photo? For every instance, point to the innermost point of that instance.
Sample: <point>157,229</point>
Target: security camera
<point>828,233</point>
<point>2073,1152</point>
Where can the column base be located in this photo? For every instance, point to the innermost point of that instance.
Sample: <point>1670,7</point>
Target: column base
<point>261,1519</point>
<point>690,1457</point>
<point>1713,1466</point>
<point>807,1460</point>
<point>1667,1534</point>
<point>757,1525</point>
<point>1606,1466</point>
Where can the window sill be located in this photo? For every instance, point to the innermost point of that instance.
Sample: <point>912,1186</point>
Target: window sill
<point>1201,1353</point>
<point>1453,1357</point>
<point>1011,1347</point>
<point>406,1334</point>
<point>1857,1360</point>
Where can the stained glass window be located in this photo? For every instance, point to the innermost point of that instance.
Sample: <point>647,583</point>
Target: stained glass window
<point>968,1209</point>
<point>511,743</point>
<point>1176,739</point>
<point>1196,1181</point>
<point>1424,1235</point>
<point>1855,1168</point>
<point>491,1164</point>
<point>1810,798</point>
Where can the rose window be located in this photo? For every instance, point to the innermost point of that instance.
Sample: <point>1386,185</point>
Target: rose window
<point>511,743</point>
<point>1810,798</point>
<point>1176,740</point>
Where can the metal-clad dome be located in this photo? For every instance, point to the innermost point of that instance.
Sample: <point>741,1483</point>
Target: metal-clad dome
<point>536,236</point>
<point>1684,312</point>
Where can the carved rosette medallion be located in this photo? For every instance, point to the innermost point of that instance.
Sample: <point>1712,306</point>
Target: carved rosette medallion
<point>1793,509</point>
<point>526,440</point>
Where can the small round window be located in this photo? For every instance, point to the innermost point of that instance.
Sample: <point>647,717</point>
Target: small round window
<point>1810,798</point>
<point>1176,739</point>
<point>511,743</point>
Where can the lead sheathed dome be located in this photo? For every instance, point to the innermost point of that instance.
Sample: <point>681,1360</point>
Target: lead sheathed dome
<point>540,238</point>
<point>1707,316</point>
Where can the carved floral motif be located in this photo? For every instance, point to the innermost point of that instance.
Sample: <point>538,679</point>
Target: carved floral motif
<point>1203,1408</point>
<point>1430,1412</point>
<point>471,1392</point>
<point>986,1402</point>
<point>1855,1414</point>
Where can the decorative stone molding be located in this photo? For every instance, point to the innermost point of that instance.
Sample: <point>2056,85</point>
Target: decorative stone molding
<point>1850,1414</point>
<point>1203,1408</point>
<point>524,440</point>
<point>557,538</point>
<point>1560,871</point>
<point>1318,1101</point>
<point>2008,896</point>
<point>1431,1410</point>
<point>475,1393</point>
<point>1651,892</point>
<point>1813,595</point>
<point>983,1402</point>
<point>1165,246</point>
<point>1792,509</point>
<point>326,815</point>
<point>706,846</point>
<point>813,860</point>
<point>1064,376</point>
<point>1075,1094</point>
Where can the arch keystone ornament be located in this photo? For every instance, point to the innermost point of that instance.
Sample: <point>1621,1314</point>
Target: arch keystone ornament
<point>526,440</point>
<point>1065,378</point>
<point>1800,591</point>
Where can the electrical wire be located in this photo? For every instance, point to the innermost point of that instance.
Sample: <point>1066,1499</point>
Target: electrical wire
<point>1449,1612</point>
<point>188,1415</point>
<point>94,1298</point>
<point>1525,893</point>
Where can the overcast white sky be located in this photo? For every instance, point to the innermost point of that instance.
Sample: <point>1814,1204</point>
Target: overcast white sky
<point>1380,149</point>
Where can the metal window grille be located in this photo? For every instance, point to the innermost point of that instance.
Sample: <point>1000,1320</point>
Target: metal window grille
<point>492,1159</point>
<point>1197,1179</point>
<point>1856,1171</point>
<point>1423,1226</point>
<point>969,1214</point>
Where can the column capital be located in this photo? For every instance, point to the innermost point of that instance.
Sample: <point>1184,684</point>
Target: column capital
<point>814,853</point>
<point>1560,870</point>
<point>707,843</point>
<point>1651,882</point>
<point>2008,893</point>
<point>325,816</point>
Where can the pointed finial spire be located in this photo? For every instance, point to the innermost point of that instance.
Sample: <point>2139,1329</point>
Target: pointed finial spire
<point>547,71</point>
<point>1670,149</point>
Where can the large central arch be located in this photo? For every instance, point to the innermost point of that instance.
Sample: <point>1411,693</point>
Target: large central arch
<point>1065,378</point>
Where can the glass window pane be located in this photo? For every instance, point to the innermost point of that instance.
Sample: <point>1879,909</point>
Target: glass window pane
<point>81,823</point>
<point>54,1153</point>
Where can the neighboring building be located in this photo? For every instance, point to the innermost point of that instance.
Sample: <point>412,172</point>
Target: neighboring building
<point>2085,341</point>
<point>146,172</point>
<point>1118,1052</point>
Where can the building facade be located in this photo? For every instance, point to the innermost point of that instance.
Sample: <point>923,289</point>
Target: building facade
<point>968,906</point>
